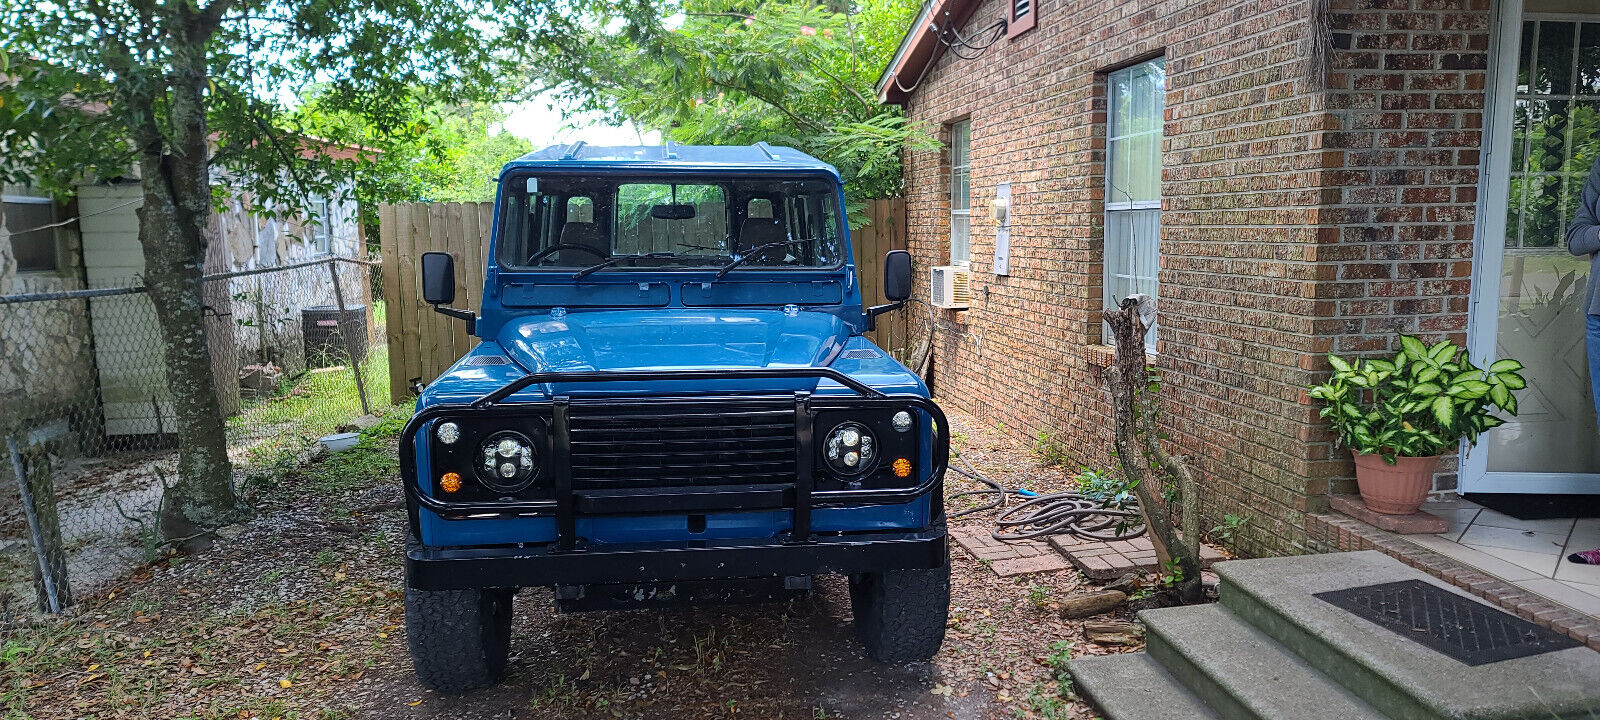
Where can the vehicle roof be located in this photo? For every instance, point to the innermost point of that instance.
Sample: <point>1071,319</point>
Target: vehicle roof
<point>672,156</point>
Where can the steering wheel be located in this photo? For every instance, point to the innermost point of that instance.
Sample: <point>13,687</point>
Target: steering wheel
<point>542,254</point>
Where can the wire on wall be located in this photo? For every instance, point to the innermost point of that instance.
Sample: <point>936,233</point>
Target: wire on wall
<point>962,46</point>
<point>978,44</point>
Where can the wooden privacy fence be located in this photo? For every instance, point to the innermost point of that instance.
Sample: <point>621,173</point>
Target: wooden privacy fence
<point>423,343</point>
<point>885,230</point>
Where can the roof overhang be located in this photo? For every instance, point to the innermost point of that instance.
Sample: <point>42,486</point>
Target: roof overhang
<point>920,48</point>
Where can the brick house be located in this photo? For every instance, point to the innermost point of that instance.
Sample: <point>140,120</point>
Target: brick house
<point>1279,201</point>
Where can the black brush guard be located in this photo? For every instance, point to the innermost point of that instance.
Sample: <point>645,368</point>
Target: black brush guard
<point>566,561</point>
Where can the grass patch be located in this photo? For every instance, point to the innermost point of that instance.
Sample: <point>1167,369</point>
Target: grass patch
<point>310,406</point>
<point>371,461</point>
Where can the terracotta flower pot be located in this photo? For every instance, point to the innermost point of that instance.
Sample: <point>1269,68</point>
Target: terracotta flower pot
<point>1397,489</point>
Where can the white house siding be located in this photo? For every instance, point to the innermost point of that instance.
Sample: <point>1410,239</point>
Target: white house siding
<point>62,353</point>
<point>266,307</point>
<point>127,341</point>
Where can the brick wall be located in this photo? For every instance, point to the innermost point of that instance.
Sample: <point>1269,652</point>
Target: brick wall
<point>1276,246</point>
<point>1405,110</point>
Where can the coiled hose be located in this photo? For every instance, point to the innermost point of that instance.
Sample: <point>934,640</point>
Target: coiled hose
<point>1051,514</point>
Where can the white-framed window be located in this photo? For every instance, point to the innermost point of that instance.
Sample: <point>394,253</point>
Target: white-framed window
<point>961,192</point>
<point>322,226</point>
<point>35,244</point>
<point>1135,100</point>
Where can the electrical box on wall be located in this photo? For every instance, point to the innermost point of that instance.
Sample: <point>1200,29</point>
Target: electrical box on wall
<point>1002,234</point>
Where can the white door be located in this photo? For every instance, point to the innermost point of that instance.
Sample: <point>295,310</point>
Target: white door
<point>1544,131</point>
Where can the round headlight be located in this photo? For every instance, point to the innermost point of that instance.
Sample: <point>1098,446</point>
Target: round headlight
<point>901,421</point>
<point>850,449</point>
<point>507,462</point>
<point>448,433</point>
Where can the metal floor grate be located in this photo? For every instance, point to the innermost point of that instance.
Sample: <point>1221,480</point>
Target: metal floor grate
<point>1460,627</point>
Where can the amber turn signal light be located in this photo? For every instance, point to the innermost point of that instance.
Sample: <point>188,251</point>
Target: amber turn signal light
<point>902,467</point>
<point>450,482</point>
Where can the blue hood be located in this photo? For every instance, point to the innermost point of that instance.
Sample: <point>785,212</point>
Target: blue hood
<point>659,339</point>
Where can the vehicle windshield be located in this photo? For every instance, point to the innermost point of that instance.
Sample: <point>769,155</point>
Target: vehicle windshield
<point>681,222</point>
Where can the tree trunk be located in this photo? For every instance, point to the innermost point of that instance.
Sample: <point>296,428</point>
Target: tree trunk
<point>175,179</point>
<point>1144,462</point>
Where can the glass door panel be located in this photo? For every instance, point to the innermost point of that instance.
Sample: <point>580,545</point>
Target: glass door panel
<point>1555,135</point>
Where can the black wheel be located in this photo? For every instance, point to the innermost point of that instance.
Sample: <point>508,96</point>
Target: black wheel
<point>900,614</point>
<point>459,638</point>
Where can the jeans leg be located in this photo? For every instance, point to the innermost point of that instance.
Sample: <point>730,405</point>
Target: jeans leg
<point>1592,339</point>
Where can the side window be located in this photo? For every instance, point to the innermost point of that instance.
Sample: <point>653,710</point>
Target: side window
<point>1136,97</point>
<point>34,244</point>
<point>580,209</point>
<point>960,192</point>
<point>321,225</point>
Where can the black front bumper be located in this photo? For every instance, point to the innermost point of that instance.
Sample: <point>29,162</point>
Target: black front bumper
<point>463,568</point>
<point>798,494</point>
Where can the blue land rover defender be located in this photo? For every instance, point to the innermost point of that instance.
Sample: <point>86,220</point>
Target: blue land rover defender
<point>672,401</point>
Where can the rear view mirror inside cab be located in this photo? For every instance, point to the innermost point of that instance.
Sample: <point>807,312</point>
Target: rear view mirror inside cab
<point>675,211</point>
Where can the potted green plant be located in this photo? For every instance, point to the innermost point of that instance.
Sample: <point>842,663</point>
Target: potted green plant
<point>1398,415</point>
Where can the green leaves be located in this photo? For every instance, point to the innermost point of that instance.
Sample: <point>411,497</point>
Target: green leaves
<point>1413,348</point>
<point>1498,394</point>
<point>1505,366</point>
<point>1420,403</point>
<point>790,72</point>
<point>371,66</point>
<point>1445,410</point>
<point>1426,390</point>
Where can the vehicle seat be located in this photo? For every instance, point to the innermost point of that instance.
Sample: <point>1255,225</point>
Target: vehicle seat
<point>755,232</point>
<point>581,233</point>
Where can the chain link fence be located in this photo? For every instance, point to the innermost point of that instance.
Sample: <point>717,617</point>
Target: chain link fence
<point>89,435</point>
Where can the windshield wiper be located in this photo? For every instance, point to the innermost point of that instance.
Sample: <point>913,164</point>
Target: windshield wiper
<point>752,252</point>
<point>614,259</point>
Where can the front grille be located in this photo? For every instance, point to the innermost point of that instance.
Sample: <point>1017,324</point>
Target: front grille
<point>682,444</point>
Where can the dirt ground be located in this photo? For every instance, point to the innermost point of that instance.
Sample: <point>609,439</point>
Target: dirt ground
<point>298,614</point>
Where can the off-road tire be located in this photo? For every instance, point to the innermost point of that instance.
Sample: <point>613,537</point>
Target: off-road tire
<point>459,638</point>
<point>900,615</point>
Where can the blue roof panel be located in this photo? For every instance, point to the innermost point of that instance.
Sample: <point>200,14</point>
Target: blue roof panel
<point>760,156</point>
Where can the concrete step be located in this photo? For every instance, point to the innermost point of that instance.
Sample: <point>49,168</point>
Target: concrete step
<point>1240,672</point>
<point>1131,686</point>
<point>1397,675</point>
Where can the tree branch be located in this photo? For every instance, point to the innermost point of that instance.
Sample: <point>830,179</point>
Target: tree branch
<point>769,101</point>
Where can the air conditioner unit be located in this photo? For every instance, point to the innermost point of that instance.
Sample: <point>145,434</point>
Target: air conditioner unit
<point>950,287</point>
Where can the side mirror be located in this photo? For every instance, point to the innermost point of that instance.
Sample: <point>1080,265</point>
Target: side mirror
<point>896,284</point>
<point>897,275</point>
<point>439,287</point>
<point>438,278</point>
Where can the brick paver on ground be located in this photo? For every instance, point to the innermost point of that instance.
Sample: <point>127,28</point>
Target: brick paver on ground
<point>1008,559</point>
<point>1109,560</point>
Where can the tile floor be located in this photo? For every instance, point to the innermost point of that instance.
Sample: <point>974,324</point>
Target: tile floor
<point>1531,554</point>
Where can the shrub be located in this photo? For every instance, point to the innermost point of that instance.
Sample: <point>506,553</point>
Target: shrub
<point>1420,403</point>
